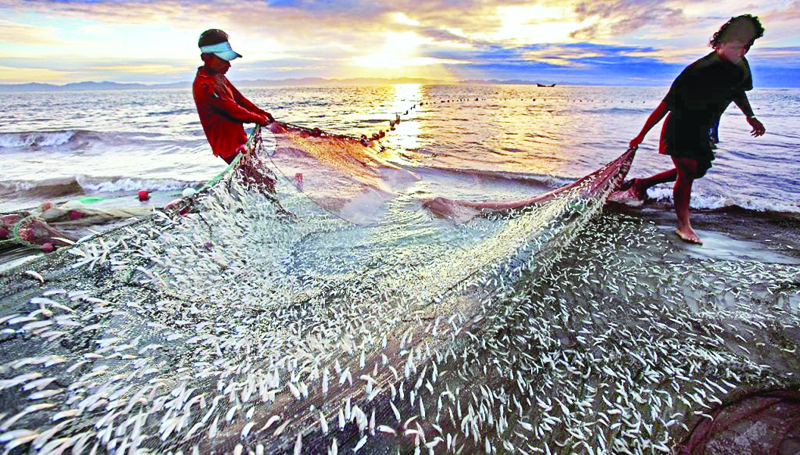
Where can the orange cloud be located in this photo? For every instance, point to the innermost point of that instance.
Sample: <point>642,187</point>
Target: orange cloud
<point>10,75</point>
<point>16,33</point>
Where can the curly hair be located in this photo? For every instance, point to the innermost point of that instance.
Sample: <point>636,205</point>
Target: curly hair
<point>732,30</point>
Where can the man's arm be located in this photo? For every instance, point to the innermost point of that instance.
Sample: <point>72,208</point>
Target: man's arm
<point>237,95</point>
<point>657,115</point>
<point>233,111</point>
<point>227,106</point>
<point>744,105</point>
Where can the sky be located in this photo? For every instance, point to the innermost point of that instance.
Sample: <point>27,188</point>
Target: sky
<point>609,42</point>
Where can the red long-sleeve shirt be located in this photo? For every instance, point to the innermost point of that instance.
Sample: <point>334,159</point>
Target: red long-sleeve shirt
<point>222,111</point>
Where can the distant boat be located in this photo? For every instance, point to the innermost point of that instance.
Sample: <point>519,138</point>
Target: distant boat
<point>543,85</point>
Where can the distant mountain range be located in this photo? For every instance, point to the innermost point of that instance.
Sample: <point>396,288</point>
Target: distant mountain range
<point>83,86</point>
<point>308,81</point>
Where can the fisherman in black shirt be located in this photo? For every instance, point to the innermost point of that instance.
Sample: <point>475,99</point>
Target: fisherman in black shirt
<point>697,98</point>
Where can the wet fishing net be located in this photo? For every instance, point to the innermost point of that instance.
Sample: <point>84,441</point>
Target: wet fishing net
<point>343,175</point>
<point>52,226</point>
<point>247,320</point>
<point>766,422</point>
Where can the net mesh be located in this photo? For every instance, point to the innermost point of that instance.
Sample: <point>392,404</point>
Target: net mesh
<point>341,174</point>
<point>260,322</point>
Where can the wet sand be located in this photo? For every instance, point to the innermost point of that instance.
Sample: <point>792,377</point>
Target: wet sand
<point>729,234</point>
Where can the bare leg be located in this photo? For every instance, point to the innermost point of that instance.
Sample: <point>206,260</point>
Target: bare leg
<point>642,185</point>
<point>687,172</point>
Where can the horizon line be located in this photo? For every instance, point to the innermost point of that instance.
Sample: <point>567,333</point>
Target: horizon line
<point>300,81</point>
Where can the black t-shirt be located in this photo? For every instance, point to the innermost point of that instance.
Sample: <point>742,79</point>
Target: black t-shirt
<point>697,99</point>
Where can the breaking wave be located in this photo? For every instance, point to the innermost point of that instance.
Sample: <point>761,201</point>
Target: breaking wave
<point>69,138</point>
<point>128,184</point>
<point>705,201</point>
<point>82,184</point>
<point>40,139</point>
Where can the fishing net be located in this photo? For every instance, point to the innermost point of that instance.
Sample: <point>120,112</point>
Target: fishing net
<point>52,226</point>
<point>30,230</point>
<point>261,322</point>
<point>341,174</point>
<point>766,422</point>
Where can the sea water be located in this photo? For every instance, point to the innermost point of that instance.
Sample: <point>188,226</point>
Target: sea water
<point>472,141</point>
<point>555,328</point>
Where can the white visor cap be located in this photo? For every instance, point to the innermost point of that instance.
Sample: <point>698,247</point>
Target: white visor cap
<point>222,50</point>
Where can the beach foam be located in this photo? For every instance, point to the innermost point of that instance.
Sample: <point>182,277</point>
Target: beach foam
<point>128,184</point>
<point>83,184</point>
<point>703,201</point>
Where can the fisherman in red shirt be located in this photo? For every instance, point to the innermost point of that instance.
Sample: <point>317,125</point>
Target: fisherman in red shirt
<point>222,108</point>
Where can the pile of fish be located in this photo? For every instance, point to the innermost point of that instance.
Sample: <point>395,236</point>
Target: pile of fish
<point>237,328</point>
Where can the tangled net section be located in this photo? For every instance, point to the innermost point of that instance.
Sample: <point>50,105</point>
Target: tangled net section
<point>343,175</point>
<point>259,322</point>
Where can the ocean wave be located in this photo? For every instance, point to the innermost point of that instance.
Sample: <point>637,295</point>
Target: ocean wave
<point>172,112</point>
<point>702,201</point>
<point>38,138</point>
<point>544,181</point>
<point>72,139</point>
<point>42,189</point>
<point>33,189</point>
<point>100,185</point>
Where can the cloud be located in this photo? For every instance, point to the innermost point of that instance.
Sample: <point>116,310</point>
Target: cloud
<point>784,57</point>
<point>390,62</point>
<point>668,55</point>
<point>142,68</point>
<point>16,33</point>
<point>13,75</point>
<point>621,17</point>
<point>112,11</point>
<point>350,38</point>
<point>293,22</point>
<point>790,14</point>
<point>65,69</point>
<point>564,55</point>
<point>14,61</point>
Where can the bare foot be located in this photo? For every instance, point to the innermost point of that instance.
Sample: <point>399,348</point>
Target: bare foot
<point>689,236</point>
<point>633,187</point>
<point>637,190</point>
<point>629,193</point>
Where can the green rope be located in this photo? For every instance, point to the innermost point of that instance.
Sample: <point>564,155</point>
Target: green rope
<point>219,176</point>
<point>95,199</point>
<point>185,203</point>
<point>249,144</point>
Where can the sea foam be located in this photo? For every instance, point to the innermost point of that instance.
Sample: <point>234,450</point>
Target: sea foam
<point>704,201</point>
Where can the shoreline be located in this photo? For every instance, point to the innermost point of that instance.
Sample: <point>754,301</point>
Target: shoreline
<point>730,233</point>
